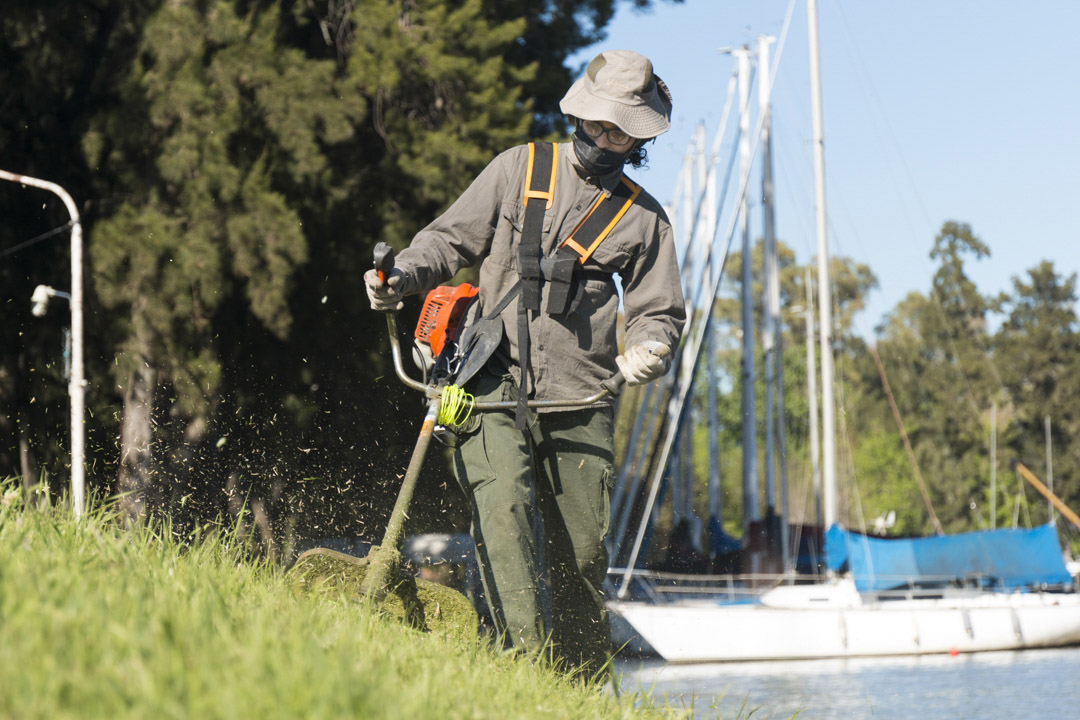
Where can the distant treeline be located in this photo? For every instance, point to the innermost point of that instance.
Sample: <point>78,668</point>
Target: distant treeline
<point>973,377</point>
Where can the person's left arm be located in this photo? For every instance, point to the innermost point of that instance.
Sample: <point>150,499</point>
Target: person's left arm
<point>654,308</point>
<point>652,291</point>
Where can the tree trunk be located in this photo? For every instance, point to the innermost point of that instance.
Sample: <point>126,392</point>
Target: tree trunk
<point>9,441</point>
<point>27,467</point>
<point>134,485</point>
<point>16,456</point>
<point>13,458</point>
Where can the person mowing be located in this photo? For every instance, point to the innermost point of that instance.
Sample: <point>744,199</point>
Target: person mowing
<point>551,226</point>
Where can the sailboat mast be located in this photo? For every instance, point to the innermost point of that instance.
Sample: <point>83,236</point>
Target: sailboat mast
<point>811,391</point>
<point>993,466</point>
<point>1049,468</point>
<point>828,407</point>
<point>749,419</point>
<point>771,285</point>
<point>772,333</point>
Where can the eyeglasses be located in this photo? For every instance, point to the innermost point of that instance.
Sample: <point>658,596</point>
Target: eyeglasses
<point>615,136</point>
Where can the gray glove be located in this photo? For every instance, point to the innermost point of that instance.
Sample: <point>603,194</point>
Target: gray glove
<point>644,362</point>
<point>386,297</point>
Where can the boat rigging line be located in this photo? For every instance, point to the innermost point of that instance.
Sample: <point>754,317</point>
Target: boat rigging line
<point>677,402</point>
<point>907,443</point>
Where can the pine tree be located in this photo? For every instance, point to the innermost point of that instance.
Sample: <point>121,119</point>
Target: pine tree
<point>239,160</point>
<point>215,113</point>
<point>1037,349</point>
<point>935,349</point>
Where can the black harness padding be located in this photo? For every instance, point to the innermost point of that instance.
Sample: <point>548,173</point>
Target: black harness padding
<point>538,196</point>
<point>560,278</point>
<point>529,254</point>
<point>563,295</point>
<point>562,269</point>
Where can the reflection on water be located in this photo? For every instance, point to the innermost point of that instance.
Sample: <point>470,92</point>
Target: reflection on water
<point>987,686</point>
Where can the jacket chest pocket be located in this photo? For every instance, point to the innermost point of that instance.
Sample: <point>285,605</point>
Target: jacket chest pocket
<point>610,256</point>
<point>514,213</point>
<point>508,233</point>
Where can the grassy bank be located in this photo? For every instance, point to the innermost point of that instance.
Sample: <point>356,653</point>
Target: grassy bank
<point>98,621</point>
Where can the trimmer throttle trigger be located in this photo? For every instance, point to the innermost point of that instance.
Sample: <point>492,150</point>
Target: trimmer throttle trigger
<point>384,260</point>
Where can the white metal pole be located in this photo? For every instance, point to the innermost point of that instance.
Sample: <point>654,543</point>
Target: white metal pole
<point>687,465</point>
<point>811,390</point>
<point>1049,468</point>
<point>698,209</point>
<point>749,411</point>
<point>771,333</point>
<point>715,498</point>
<point>76,383</point>
<point>771,309</point>
<point>682,217</point>
<point>828,409</point>
<point>709,217</point>
<point>993,466</point>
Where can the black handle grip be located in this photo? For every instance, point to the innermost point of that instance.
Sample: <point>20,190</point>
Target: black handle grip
<point>613,384</point>
<point>384,260</point>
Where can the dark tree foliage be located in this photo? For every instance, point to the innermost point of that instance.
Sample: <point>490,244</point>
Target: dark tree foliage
<point>235,162</point>
<point>59,65</point>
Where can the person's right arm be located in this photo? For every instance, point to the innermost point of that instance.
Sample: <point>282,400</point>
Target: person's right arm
<point>461,236</point>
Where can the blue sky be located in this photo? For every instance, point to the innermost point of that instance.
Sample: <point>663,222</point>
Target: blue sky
<point>934,110</point>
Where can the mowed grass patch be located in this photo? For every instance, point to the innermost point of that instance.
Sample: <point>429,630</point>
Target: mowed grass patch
<point>101,621</point>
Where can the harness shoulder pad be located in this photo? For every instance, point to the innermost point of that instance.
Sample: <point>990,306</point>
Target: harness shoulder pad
<point>544,160</point>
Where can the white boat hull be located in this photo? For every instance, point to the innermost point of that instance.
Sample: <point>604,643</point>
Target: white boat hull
<point>709,632</point>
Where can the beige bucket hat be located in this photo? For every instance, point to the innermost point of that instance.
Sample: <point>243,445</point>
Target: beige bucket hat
<point>619,87</point>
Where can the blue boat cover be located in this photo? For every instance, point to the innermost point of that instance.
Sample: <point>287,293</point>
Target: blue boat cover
<point>994,558</point>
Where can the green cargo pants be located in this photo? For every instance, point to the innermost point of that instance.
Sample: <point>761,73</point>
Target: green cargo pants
<point>542,493</point>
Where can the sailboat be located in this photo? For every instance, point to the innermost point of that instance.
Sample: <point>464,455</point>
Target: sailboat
<point>982,591</point>
<point>935,608</point>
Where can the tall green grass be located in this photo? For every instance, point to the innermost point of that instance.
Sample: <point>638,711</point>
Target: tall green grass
<point>98,621</point>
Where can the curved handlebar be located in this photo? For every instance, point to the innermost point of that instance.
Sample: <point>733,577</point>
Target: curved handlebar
<point>384,263</point>
<point>609,387</point>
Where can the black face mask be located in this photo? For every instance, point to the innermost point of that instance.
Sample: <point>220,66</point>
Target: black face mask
<point>595,160</point>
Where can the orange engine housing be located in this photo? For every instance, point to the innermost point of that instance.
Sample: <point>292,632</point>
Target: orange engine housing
<point>440,318</point>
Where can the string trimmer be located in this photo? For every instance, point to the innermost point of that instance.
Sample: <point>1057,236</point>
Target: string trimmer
<point>447,403</point>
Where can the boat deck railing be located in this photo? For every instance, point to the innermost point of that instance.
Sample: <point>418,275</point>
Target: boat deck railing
<point>664,587</point>
<point>943,586</point>
<point>660,587</point>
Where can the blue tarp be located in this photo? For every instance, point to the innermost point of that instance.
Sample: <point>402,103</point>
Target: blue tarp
<point>1007,558</point>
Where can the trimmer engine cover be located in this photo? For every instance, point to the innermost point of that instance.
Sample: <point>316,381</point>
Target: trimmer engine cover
<point>440,318</point>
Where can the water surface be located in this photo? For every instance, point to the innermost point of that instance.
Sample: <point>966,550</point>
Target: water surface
<point>1042,684</point>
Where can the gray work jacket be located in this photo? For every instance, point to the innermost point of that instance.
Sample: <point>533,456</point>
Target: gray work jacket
<point>569,355</point>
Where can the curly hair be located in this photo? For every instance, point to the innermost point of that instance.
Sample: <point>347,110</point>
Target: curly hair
<point>638,158</point>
